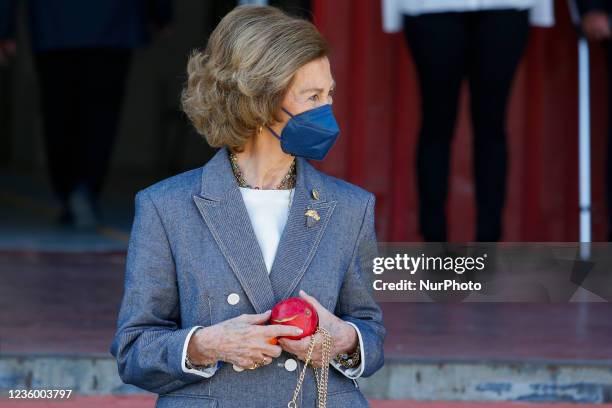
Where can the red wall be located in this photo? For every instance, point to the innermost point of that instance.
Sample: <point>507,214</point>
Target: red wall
<point>377,105</point>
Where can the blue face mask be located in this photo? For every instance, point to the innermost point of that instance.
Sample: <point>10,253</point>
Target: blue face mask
<point>309,134</point>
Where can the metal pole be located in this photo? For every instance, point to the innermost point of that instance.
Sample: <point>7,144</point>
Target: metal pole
<point>584,143</point>
<point>584,134</point>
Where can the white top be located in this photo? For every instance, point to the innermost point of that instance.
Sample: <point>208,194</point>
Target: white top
<point>541,12</point>
<point>268,210</point>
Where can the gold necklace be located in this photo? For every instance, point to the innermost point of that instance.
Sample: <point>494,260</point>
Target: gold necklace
<point>286,183</point>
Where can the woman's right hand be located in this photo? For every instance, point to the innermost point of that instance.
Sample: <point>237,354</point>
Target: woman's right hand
<point>242,341</point>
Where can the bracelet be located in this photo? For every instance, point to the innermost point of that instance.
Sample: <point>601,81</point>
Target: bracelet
<point>350,360</point>
<point>189,364</point>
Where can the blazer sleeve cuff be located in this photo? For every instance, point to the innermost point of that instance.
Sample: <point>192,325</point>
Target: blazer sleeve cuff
<point>207,372</point>
<point>353,372</point>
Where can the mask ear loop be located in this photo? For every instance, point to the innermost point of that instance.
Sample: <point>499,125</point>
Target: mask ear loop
<point>272,131</point>
<point>287,112</point>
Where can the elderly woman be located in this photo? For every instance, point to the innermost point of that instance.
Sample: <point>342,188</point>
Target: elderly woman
<point>212,250</point>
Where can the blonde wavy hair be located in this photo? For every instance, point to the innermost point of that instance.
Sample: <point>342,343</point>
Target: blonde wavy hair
<point>238,83</point>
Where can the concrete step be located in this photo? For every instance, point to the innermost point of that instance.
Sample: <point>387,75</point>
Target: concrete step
<point>400,379</point>
<point>492,380</point>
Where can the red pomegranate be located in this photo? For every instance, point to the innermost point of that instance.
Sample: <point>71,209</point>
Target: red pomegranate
<point>297,312</point>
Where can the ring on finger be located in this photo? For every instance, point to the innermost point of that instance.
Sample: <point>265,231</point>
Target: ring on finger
<point>258,364</point>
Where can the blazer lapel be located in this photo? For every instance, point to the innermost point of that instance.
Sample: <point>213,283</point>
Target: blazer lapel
<point>221,205</point>
<point>302,233</point>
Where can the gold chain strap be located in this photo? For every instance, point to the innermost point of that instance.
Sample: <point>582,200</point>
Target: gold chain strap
<point>320,377</point>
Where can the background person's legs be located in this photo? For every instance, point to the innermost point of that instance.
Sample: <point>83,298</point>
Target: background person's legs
<point>57,72</point>
<point>82,92</point>
<point>497,41</point>
<point>437,42</point>
<point>104,73</point>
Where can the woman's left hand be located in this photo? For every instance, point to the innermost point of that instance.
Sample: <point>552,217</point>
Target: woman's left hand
<point>344,335</point>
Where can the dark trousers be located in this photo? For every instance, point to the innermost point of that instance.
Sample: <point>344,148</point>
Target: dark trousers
<point>81,95</point>
<point>608,47</point>
<point>485,46</point>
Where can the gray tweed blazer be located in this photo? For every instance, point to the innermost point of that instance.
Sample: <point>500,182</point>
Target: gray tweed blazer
<point>192,245</point>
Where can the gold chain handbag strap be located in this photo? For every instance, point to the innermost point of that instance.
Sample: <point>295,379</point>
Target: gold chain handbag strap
<point>320,377</point>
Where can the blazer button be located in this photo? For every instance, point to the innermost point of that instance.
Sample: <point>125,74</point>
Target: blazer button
<point>233,299</point>
<point>290,364</point>
<point>237,368</point>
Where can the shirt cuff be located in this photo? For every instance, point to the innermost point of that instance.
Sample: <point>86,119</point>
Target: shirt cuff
<point>206,372</point>
<point>353,372</point>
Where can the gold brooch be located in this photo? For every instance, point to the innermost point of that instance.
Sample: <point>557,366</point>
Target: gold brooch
<point>312,217</point>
